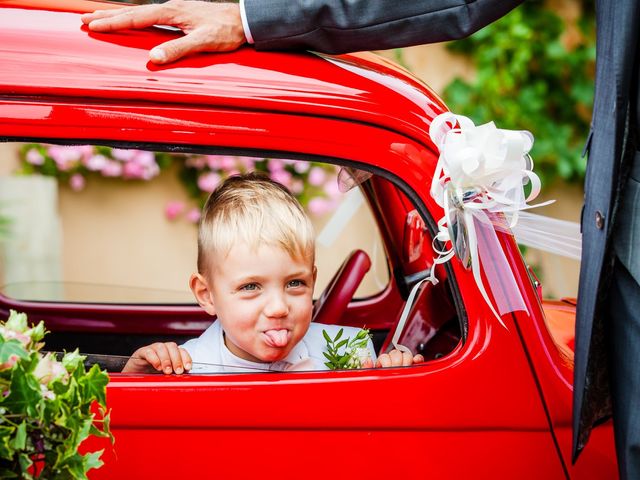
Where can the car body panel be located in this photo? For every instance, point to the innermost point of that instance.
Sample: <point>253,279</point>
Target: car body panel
<point>497,406</point>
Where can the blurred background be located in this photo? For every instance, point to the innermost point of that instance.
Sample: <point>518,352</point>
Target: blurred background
<point>531,70</point>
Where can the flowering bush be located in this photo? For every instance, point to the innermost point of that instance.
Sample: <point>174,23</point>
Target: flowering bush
<point>313,184</point>
<point>45,406</point>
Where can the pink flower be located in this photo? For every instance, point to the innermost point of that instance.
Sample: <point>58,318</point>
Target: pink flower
<point>196,162</point>
<point>301,167</point>
<point>95,163</point>
<point>317,176</point>
<point>332,189</point>
<point>275,165</point>
<point>122,154</point>
<point>193,215</point>
<point>13,359</point>
<point>9,334</point>
<point>144,158</point>
<point>64,157</point>
<point>34,157</point>
<point>281,176</point>
<point>207,182</point>
<point>173,209</point>
<point>49,369</point>
<point>319,206</point>
<point>86,151</point>
<point>151,171</point>
<point>132,170</point>
<point>112,169</point>
<point>77,182</point>
<point>226,162</point>
<point>297,186</point>
<point>248,163</point>
<point>213,162</point>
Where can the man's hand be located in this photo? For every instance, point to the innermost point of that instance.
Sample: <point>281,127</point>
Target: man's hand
<point>208,27</point>
<point>396,358</point>
<point>163,357</point>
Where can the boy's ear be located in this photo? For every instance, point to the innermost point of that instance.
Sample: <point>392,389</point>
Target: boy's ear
<point>315,276</point>
<point>200,288</point>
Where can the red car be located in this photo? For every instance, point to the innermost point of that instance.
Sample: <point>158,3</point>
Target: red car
<point>493,398</point>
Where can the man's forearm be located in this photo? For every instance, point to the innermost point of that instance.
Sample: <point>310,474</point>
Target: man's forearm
<point>338,26</point>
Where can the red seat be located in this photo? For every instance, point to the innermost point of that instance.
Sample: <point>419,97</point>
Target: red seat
<point>333,301</point>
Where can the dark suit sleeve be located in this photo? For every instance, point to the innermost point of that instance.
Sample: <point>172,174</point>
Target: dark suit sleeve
<point>339,26</point>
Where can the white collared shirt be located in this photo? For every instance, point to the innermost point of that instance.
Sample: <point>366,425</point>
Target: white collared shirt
<point>245,24</point>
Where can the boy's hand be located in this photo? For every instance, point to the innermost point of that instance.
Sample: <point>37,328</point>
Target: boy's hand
<point>208,27</point>
<point>396,358</point>
<point>163,357</point>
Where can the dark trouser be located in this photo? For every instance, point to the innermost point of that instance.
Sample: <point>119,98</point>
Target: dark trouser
<point>624,347</point>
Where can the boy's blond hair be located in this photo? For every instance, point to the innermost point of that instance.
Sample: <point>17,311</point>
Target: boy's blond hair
<point>255,210</point>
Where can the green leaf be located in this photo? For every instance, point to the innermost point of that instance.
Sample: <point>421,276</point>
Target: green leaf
<point>25,463</point>
<point>92,460</point>
<point>6,449</point>
<point>338,335</point>
<point>326,336</point>
<point>73,360</point>
<point>95,382</point>
<point>10,348</point>
<point>20,440</point>
<point>24,393</point>
<point>342,343</point>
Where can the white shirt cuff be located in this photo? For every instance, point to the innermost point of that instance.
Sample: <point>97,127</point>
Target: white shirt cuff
<point>245,24</point>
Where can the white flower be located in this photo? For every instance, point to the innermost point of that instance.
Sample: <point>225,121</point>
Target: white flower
<point>49,369</point>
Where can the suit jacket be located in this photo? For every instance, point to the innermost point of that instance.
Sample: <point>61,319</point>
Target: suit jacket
<point>336,26</point>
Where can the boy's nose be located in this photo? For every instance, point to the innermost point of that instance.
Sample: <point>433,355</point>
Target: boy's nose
<point>276,306</point>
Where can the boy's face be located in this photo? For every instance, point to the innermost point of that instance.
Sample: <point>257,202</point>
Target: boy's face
<point>262,298</point>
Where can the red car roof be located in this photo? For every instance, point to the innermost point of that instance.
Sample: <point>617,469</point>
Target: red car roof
<point>46,51</point>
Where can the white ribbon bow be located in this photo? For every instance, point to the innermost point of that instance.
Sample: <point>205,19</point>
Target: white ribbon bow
<point>480,181</point>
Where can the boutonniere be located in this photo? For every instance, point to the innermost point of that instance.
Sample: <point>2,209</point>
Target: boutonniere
<point>347,353</point>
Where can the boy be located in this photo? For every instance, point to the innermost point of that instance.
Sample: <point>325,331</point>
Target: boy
<point>256,273</point>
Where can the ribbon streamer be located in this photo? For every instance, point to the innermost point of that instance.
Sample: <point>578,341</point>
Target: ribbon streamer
<point>480,182</point>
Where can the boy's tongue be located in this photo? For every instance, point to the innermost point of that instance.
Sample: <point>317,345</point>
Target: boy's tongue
<point>277,338</point>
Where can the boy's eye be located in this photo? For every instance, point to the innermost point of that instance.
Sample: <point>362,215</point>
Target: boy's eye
<point>295,283</point>
<point>249,287</point>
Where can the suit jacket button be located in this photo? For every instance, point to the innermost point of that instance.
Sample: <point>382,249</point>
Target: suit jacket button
<point>599,220</point>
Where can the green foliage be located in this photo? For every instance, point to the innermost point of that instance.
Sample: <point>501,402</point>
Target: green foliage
<point>346,353</point>
<point>5,225</point>
<point>46,407</point>
<point>527,80</point>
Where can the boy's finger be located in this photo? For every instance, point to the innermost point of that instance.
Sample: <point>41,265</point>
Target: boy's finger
<point>396,357</point>
<point>407,359</point>
<point>384,361</point>
<point>163,354</point>
<point>418,358</point>
<point>175,356</point>
<point>152,358</point>
<point>367,363</point>
<point>186,358</point>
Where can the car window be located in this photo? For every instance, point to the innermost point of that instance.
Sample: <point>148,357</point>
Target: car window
<point>97,225</point>
<point>105,225</point>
